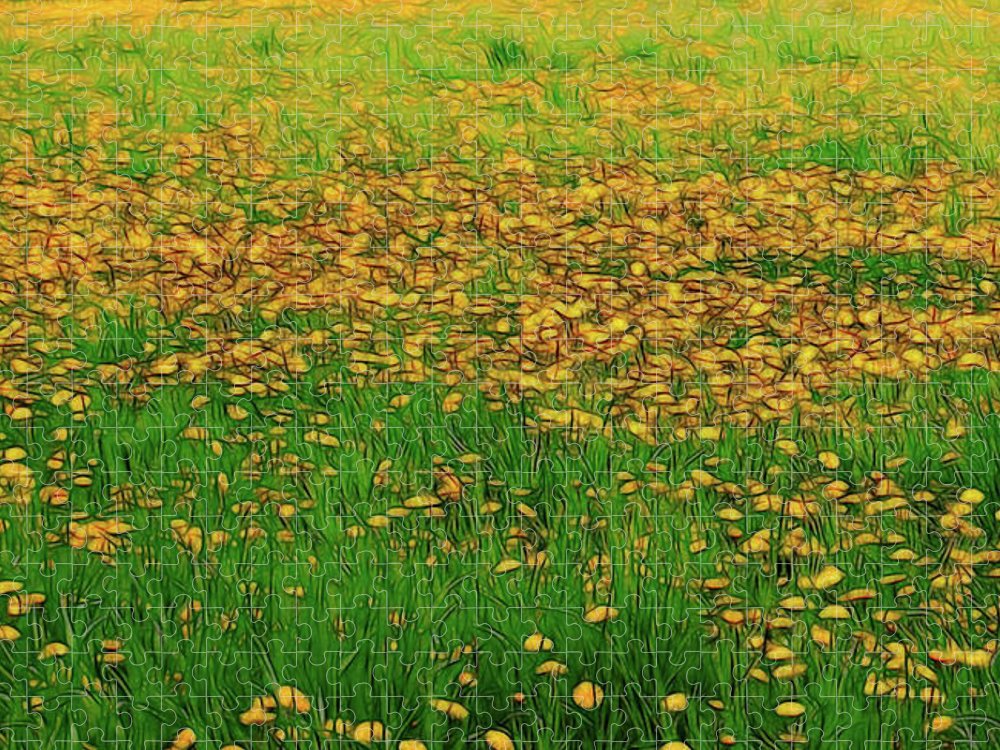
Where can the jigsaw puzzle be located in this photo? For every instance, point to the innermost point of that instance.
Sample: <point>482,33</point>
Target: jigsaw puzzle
<point>498,375</point>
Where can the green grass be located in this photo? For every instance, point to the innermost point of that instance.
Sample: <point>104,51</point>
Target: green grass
<point>296,84</point>
<point>334,641</point>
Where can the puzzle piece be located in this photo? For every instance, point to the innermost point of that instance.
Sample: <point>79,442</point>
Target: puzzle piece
<point>498,375</point>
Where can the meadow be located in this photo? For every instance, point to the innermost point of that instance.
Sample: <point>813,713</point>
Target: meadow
<point>485,375</point>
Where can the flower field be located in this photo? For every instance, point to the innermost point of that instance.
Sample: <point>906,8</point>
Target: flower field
<point>488,375</point>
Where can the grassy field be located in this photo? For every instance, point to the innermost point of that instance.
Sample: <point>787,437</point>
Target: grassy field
<point>451,375</point>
